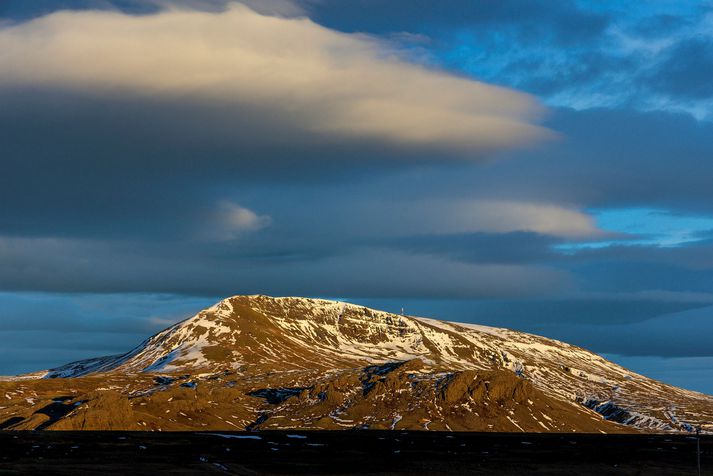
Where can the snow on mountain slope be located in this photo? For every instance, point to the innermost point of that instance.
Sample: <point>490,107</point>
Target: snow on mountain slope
<point>259,334</point>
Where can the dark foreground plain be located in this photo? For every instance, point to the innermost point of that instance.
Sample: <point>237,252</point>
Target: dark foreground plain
<point>345,452</point>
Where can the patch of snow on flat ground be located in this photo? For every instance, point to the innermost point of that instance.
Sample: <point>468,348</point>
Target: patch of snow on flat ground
<point>239,437</point>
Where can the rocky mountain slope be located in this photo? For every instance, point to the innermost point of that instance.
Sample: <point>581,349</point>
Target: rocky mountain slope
<point>256,362</point>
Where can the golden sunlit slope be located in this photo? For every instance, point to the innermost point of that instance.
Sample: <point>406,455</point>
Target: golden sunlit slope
<point>253,362</point>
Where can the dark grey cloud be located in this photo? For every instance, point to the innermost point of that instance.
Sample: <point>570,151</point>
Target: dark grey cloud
<point>501,248</point>
<point>613,276</point>
<point>677,334</point>
<point>88,166</point>
<point>42,330</point>
<point>610,158</point>
<point>28,351</point>
<point>20,10</point>
<point>123,224</point>
<point>74,266</point>
<point>564,22</point>
<point>696,256</point>
<point>599,314</point>
<point>685,70</point>
<point>129,315</point>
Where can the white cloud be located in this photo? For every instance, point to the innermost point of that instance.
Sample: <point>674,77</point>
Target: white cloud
<point>307,77</point>
<point>230,220</point>
<point>509,216</point>
<point>448,216</point>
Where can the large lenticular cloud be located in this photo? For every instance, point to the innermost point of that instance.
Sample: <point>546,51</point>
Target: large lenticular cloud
<point>312,79</point>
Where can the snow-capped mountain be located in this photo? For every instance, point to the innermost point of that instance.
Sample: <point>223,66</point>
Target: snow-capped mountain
<point>328,363</point>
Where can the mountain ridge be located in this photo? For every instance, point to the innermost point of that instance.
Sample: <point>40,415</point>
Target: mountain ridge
<point>293,346</point>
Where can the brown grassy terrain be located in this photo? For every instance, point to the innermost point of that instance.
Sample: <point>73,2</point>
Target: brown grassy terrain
<point>390,396</point>
<point>256,363</point>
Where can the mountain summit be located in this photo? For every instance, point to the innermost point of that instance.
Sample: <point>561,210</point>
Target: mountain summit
<point>257,362</point>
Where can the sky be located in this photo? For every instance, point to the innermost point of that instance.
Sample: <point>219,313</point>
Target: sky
<point>543,166</point>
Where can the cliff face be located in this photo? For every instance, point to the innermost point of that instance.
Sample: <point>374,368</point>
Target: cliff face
<point>253,362</point>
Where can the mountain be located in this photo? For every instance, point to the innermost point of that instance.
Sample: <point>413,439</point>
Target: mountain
<point>257,362</point>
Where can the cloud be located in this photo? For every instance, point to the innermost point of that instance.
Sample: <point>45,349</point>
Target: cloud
<point>282,8</point>
<point>317,81</point>
<point>42,330</point>
<point>215,269</point>
<point>489,248</point>
<point>18,10</point>
<point>230,220</point>
<point>121,314</point>
<point>417,216</point>
<point>684,70</point>
<point>464,216</point>
<point>564,22</point>
<point>571,54</point>
<point>239,219</point>
<point>609,158</point>
<point>678,334</point>
<point>694,373</point>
